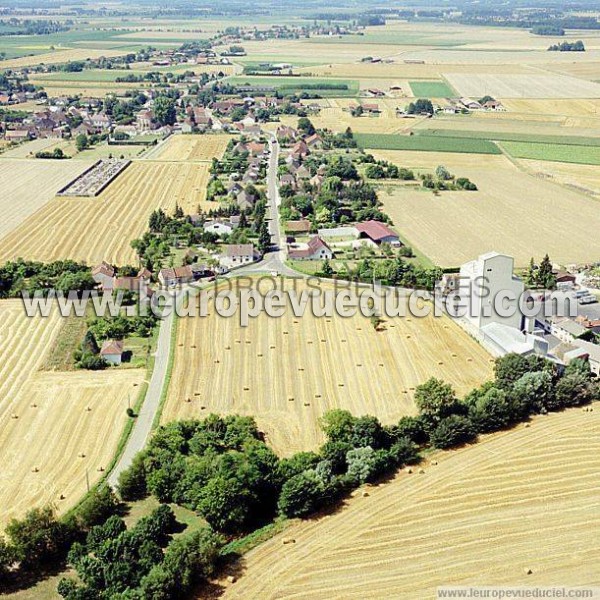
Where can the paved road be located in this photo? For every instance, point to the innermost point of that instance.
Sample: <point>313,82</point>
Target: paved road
<point>142,426</point>
<point>272,262</point>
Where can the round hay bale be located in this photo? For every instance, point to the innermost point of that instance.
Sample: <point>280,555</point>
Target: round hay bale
<point>365,494</point>
<point>408,470</point>
<point>434,462</point>
<point>527,425</point>
<point>288,540</point>
<point>421,471</point>
<point>528,571</point>
<point>231,579</point>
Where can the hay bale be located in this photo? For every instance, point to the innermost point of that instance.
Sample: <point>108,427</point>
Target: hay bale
<point>408,470</point>
<point>434,462</point>
<point>421,471</point>
<point>365,494</point>
<point>231,579</point>
<point>527,425</point>
<point>528,571</point>
<point>288,540</point>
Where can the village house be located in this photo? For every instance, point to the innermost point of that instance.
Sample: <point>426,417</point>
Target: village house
<point>245,201</point>
<point>314,142</point>
<point>112,352</point>
<point>218,227</point>
<point>315,249</point>
<point>103,274</point>
<point>18,135</point>
<point>470,104</point>
<point>237,255</point>
<point>101,121</point>
<point>173,276</point>
<point>288,179</point>
<point>145,120</point>
<point>372,109</point>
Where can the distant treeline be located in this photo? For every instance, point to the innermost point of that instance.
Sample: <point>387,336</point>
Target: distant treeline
<point>568,47</point>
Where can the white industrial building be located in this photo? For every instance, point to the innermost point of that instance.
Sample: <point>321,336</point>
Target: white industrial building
<point>488,284</point>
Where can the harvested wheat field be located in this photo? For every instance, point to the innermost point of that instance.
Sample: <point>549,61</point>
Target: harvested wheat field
<point>60,56</point>
<point>573,107</point>
<point>523,86</point>
<point>101,228</point>
<point>27,185</point>
<point>48,437</point>
<point>582,178</point>
<point>288,371</point>
<point>192,147</point>
<point>516,501</point>
<point>512,212</point>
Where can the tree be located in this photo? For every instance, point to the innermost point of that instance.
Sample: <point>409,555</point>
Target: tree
<point>302,494</point>
<point>165,111</point>
<point>97,507</point>
<point>490,410</point>
<point>435,400</point>
<point>38,537</point>
<point>132,481</point>
<point>264,237</point>
<point>305,125</point>
<point>374,172</point>
<point>7,557</point>
<point>326,268</point>
<point>545,276</point>
<point>82,142</point>
<point>533,393</point>
<point>452,431</point>
<point>420,106</point>
<point>442,173</point>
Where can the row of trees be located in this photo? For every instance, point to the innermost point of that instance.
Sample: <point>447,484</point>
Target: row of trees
<point>61,275</point>
<point>222,469</point>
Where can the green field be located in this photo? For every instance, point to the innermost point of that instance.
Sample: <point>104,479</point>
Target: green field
<point>425,143</point>
<point>292,85</point>
<point>498,136</point>
<point>567,153</point>
<point>431,89</point>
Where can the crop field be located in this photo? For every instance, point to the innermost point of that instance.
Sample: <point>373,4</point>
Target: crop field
<point>431,89</point>
<point>576,107</point>
<point>336,116</point>
<point>583,178</point>
<point>504,215</point>
<point>292,85</point>
<point>101,228</point>
<point>427,143</point>
<point>56,426</point>
<point>27,185</point>
<point>288,371</point>
<point>518,500</point>
<point>587,155</point>
<point>522,86</point>
<point>192,147</point>
<point>59,56</point>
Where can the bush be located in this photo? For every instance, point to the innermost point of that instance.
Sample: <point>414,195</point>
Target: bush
<point>132,482</point>
<point>97,507</point>
<point>452,431</point>
<point>302,495</point>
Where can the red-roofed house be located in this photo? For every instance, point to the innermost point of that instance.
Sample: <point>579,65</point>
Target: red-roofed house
<point>112,351</point>
<point>175,276</point>
<point>316,249</point>
<point>377,232</point>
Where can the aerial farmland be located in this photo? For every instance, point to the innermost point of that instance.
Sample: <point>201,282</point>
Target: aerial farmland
<point>152,155</point>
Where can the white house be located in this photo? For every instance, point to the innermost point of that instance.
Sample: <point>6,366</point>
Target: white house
<point>237,255</point>
<point>490,291</point>
<point>218,227</point>
<point>112,351</point>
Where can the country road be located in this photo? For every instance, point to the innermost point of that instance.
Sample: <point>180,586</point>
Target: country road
<point>272,262</point>
<point>142,426</point>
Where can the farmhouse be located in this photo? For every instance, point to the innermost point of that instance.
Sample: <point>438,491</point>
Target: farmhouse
<point>244,200</point>
<point>377,232</point>
<point>174,276</point>
<point>372,109</point>
<point>112,351</point>
<point>237,255</point>
<point>470,104</point>
<point>316,249</point>
<point>103,274</point>
<point>219,227</point>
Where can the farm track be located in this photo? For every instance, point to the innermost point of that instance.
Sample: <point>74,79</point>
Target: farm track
<point>517,500</point>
